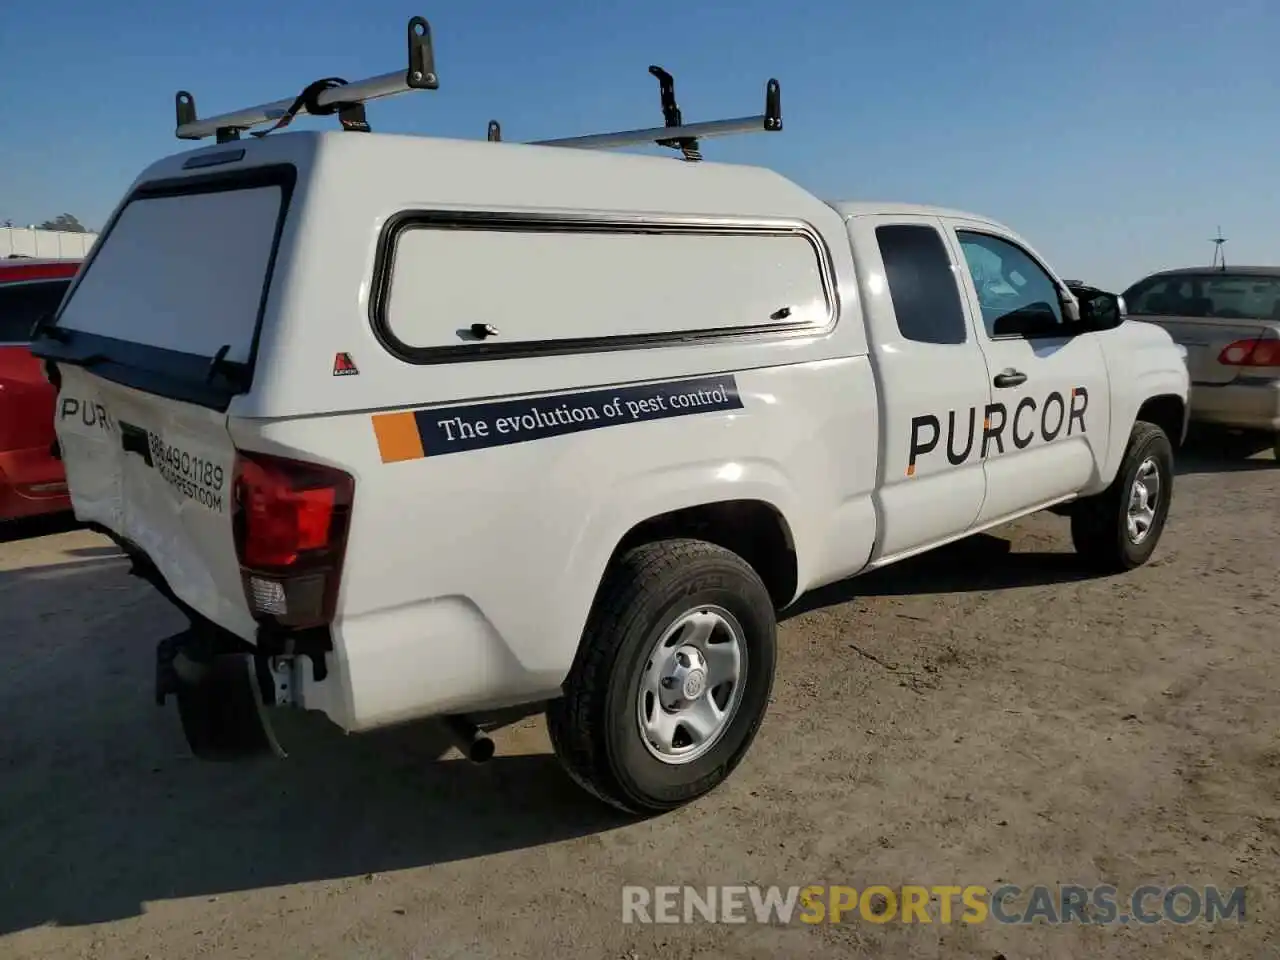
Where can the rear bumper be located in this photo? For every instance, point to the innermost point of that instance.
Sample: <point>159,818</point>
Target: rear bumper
<point>427,660</point>
<point>31,483</point>
<point>1244,405</point>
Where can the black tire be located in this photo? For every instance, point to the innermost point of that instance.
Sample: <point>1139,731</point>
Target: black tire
<point>1098,523</point>
<point>594,727</point>
<point>223,714</point>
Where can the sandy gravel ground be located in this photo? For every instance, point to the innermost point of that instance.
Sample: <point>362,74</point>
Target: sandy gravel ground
<point>978,716</point>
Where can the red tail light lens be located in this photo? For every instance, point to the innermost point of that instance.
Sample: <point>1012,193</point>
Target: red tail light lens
<point>290,522</point>
<point>1251,353</point>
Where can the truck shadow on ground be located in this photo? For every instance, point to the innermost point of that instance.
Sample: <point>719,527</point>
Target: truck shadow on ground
<point>1209,452</point>
<point>981,562</point>
<point>28,528</point>
<point>104,810</point>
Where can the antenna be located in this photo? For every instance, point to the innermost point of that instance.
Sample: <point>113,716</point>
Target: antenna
<point>1219,254</point>
<point>321,98</point>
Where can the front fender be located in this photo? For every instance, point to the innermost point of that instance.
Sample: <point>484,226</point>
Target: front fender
<point>1144,363</point>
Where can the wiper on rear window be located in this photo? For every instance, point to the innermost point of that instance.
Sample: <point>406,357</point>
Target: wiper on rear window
<point>230,369</point>
<point>45,327</point>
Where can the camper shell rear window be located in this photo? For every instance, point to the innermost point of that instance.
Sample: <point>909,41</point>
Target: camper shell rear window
<point>170,300</point>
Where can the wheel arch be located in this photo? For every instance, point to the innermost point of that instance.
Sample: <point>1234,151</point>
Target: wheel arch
<point>1168,412</point>
<point>755,530</point>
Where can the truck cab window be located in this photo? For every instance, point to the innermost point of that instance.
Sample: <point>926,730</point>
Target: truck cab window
<point>922,285</point>
<point>1015,293</point>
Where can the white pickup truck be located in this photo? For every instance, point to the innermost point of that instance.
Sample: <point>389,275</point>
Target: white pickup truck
<point>412,427</point>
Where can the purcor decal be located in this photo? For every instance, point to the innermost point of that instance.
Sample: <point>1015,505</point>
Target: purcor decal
<point>1026,423</point>
<point>413,434</point>
<point>87,413</point>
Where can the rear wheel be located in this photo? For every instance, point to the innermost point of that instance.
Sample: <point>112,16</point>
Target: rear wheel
<point>672,680</point>
<point>1119,528</point>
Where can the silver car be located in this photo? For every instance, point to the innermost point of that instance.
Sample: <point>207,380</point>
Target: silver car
<point>1228,318</point>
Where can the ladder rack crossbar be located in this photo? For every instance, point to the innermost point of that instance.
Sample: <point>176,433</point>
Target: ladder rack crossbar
<point>628,138</point>
<point>419,73</point>
<point>362,91</point>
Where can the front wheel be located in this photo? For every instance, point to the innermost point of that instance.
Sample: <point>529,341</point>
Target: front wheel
<point>1119,528</point>
<point>672,680</point>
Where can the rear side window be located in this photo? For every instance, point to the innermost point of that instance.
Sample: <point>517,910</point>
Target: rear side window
<point>22,304</point>
<point>922,284</point>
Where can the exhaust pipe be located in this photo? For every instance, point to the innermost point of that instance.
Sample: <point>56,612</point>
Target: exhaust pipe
<point>470,739</point>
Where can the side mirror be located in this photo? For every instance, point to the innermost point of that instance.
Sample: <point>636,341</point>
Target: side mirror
<point>1099,309</point>
<point>1103,311</point>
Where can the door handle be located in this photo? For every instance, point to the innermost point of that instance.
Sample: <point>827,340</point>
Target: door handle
<point>1010,378</point>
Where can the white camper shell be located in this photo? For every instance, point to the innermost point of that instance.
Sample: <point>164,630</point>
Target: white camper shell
<point>413,427</point>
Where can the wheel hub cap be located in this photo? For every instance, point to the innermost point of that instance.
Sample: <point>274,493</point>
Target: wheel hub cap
<point>1144,498</point>
<point>691,685</point>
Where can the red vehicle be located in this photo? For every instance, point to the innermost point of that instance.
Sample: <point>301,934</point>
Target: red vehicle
<point>31,480</point>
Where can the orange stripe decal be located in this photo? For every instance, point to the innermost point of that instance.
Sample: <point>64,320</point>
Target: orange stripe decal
<point>398,437</point>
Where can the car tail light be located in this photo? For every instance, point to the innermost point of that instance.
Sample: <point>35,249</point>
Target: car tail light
<point>1251,353</point>
<point>290,522</point>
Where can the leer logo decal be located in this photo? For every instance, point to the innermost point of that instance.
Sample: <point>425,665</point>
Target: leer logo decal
<point>344,366</point>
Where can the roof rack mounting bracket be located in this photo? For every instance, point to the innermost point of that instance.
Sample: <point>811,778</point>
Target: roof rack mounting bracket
<point>772,106</point>
<point>671,116</point>
<point>185,105</point>
<point>422,58</point>
<point>347,100</point>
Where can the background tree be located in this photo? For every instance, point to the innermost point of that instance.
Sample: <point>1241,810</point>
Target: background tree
<point>65,222</point>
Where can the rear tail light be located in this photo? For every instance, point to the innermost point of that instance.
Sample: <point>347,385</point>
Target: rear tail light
<point>1251,353</point>
<point>290,521</point>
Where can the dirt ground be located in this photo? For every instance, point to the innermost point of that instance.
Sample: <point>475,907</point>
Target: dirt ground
<point>982,715</point>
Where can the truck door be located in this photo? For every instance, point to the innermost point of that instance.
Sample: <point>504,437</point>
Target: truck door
<point>932,378</point>
<point>1045,433</point>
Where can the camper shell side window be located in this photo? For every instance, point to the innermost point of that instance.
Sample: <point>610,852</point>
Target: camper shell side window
<point>454,287</point>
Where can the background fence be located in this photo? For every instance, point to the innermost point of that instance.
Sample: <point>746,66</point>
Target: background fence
<point>46,244</point>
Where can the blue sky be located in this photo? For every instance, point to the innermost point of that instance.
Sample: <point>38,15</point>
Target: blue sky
<point>1116,136</point>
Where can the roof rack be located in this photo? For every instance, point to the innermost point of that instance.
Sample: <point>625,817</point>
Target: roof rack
<point>334,95</point>
<point>324,97</point>
<point>674,133</point>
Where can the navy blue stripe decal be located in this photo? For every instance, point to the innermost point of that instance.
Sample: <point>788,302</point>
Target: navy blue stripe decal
<point>476,426</point>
